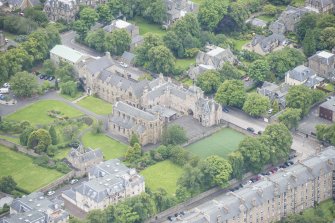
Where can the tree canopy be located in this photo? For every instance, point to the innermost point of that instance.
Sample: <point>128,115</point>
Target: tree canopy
<point>174,135</point>
<point>231,93</point>
<point>256,104</point>
<point>24,84</point>
<point>209,81</point>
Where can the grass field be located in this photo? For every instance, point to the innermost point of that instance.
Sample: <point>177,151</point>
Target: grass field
<point>184,64</point>
<point>146,27</point>
<point>27,175</point>
<point>109,147</point>
<point>62,153</point>
<point>68,97</point>
<point>266,18</point>
<point>239,43</point>
<point>37,113</point>
<point>162,175</point>
<point>96,105</point>
<point>9,35</point>
<point>14,139</point>
<point>221,143</point>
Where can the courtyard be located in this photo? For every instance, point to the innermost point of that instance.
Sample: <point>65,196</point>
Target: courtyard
<point>220,143</point>
<point>162,175</point>
<point>28,176</point>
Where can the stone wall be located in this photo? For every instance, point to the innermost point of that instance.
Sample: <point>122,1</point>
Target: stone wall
<point>58,182</point>
<point>19,148</point>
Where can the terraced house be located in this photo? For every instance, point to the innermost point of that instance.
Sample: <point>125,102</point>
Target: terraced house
<point>292,190</point>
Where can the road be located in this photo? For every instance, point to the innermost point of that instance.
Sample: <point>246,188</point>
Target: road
<point>68,39</point>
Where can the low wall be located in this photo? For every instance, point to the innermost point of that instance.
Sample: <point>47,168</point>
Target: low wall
<point>58,182</point>
<point>19,148</point>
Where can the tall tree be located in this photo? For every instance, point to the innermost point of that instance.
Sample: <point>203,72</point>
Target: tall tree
<point>237,164</point>
<point>53,135</point>
<point>259,70</point>
<point>39,140</point>
<point>174,135</point>
<point>133,153</point>
<point>231,93</point>
<point>209,81</point>
<point>218,169</point>
<point>105,14</point>
<point>229,72</point>
<point>299,97</point>
<point>24,84</point>
<point>256,104</point>
<point>117,42</point>
<point>150,40</point>
<point>7,184</point>
<point>309,43</point>
<point>89,16</point>
<point>161,60</point>
<point>211,13</point>
<point>96,39</point>
<point>290,117</point>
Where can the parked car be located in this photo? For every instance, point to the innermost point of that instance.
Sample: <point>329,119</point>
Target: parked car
<point>249,129</point>
<point>73,181</point>
<point>42,76</point>
<point>46,77</point>
<point>51,193</point>
<point>2,97</point>
<point>270,111</point>
<point>51,78</point>
<point>4,90</point>
<point>225,109</point>
<point>6,85</point>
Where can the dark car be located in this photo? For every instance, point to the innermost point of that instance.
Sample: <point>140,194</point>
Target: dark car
<point>225,109</point>
<point>46,77</point>
<point>51,78</point>
<point>42,76</point>
<point>259,132</point>
<point>249,129</point>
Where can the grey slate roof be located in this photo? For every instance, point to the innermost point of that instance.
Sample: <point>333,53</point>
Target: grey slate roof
<point>96,66</point>
<point>267,42</point>
<point>230,204</point>
<point>127,56</point>
<point>330,104</point>
<point>300,73</point>
<point>323,57</point>
<point>133,112</point>
<point>162,111</point>
<point>89,154</point>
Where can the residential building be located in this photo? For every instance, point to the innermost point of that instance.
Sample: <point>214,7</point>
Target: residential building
<point>131,29</point>
<point>303,75</point>
<point>108,183</point>
<point>5,199</point>
<point>126,120</point>
<point>36,208</point>
<point>274,92</point>
<point>321,6</point>
<point>61,10</point>
<point>288,191</point>
<point>84,158</point>
<point>62,53</point>
<point>213,57</point>
<point>128,58</point>
<point>264,45</point>
<point>177,9</point>
<point>323,63</point>
<point>287,20</point>
<point>327,109</point>
<point>21,4</point>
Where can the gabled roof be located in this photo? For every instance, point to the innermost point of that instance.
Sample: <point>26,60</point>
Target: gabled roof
<point>323,57</point>
<point>133,111</point>
<point>67,53</point>
<point>300,73</point>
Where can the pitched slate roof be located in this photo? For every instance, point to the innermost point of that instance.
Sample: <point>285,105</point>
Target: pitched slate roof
<point>330,104</point>
<point>300,73</point>
<point>323,57</point>
<point>133,111</point>
<point>96,66</point>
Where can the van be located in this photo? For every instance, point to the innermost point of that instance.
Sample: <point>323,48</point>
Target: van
<point>4,90</point>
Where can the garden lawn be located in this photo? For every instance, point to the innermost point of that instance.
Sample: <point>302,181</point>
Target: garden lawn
<point>146,27</point>
<point>163,175</point>
<point>13,139</point>
<point>239,43</point>
<point>220,143</point>
<point>37,113</point>
<point>27,175</point>
<point>184,64</point>
<point>96,105</point>
<point>62,153</point>
<point>266,18</point>
<point>109,147</point>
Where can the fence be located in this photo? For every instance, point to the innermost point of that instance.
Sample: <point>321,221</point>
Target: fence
<point>18,148</point>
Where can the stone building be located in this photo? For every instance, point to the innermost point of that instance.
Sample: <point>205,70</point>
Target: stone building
<point>108,183</point>
<point>177,9</point>
<point>302,75</point>
<point>65,10</point>
<point>264,45</point>
<point>321,6</point>
<point>62,53</point>
<point>21,4</point>
<point>274,92</point>
<point>327,110</point>
<point>288,191</point>
<point>84,158</point>
<point>287,20</point>
<point>36,208</point>
<point>212,58</point>
<point>100,78</point>
<point>323,63</point>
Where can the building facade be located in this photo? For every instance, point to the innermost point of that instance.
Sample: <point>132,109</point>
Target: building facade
<point>36,208</point>
<point>62,53</point>
<point>84,158</point>
<point>61,10</point>
<point>302,75</point>
<point>321,6</point>
<point>288,191</point>
<point>327,110</point>
<point>108,183</point>
<point>264,45</point>
<point>323,63</point>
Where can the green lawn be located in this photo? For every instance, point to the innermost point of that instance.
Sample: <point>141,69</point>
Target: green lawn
<point>14,139</point>
<point>221,143</point>
<point>266,18</point>
<point>146,27</point>
<point>298,3</point>
<point>9,35</point>
<point>162,175</point>
<point>184,64</point>
<point>62,153</point>
<point>96,105</point>
<point>68,97</point>
<point>28,175</point>
<point>109,147</point>
<point>37,113</point>
<point>198,1</point>
<point>239,43</point>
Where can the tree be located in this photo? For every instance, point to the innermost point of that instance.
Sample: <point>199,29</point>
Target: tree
<point>156,11</point>
<point>53,135</point>
<point>89,16</point>
<point>326,133</point>
<point>299,97</point>
<point>174,43</point>
<point>162,200</point>
<point>327,38</point>
<point>125,214</point>
<point>270,10</point>
<point>97,216</point>
<point>218,169</point>
<point>307,22</point>
<point>133,153</point>
<point>174,135</point>
<point>236,161</point>
<point>278,140</point>
<point>96,39</point>
<point>25,135</point>
<point>81,28</point>
<point>231,93</point>
<point>65,72</point>
<point>161,60</point>
<point>179,155</point>
<point>7,184</point>
<point>117,42</point>
<point>209,81</point>
<point>36,15</point>
<point>284,60</point>
<point>255,154</point>
<point>290,117</point>
<point>192,179</point>
<point>16,60</point>
<point>49,68</point>
<point>133,139</point>
<point>259,70</point>
<point>24,84</point>
<point>39,140</point>
<point>69,88</point>
<point>211,13</point>
<point>150,40</point>
<point>105,15</point>
<point>182,194</point>
<point>309,43</point>
<point>229,72</point>
<point>256,104</point>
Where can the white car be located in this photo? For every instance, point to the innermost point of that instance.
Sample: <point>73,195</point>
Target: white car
<point>270,111</point>
<point>73,181</point>
<point>51,193</point>
<point>6,85</point>
<point>123,64</point>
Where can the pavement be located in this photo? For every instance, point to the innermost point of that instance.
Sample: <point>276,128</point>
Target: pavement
<point>311,120</point>
<point>68,39</point>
